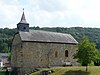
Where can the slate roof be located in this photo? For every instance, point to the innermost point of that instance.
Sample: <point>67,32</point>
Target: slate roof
<point>23,19</point>
<point>4,55</point>
<point>46,36</point>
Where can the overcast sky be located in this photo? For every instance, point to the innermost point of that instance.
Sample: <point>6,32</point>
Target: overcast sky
<point>51,13</point>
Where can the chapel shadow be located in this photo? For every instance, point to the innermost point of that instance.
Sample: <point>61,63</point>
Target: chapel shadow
<point>78,72</point>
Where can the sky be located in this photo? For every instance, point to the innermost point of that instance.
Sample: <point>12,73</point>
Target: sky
<point>51,13</point>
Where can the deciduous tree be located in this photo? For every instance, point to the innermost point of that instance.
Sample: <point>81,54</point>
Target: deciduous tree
<point>86,52</point>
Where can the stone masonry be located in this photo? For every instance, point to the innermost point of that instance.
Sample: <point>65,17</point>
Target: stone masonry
<point>29,55</point>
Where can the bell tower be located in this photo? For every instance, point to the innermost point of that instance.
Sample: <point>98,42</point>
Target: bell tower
<point>23,25</point>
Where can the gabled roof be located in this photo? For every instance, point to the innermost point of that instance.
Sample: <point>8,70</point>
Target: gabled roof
<point>45,36</point>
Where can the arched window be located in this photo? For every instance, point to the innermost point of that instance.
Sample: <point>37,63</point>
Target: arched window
<point>66,53</point>
<point>56,54</point>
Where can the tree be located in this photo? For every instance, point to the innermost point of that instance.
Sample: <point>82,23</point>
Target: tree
<point>86,52</point>
<point>97,60</point>
<point>4,48</point>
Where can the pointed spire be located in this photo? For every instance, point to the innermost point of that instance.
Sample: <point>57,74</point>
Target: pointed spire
<point>23,19</point>
<point>23,25</point>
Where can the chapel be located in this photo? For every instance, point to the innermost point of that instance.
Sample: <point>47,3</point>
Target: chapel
<point>38,49</point>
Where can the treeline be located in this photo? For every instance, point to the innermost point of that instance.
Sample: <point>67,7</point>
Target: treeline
<point>6,36</point>
<point>78,33</point>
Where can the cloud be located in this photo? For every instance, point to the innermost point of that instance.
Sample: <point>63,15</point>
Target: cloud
<point>8,13</point>
<point>50,13</point>
<point>51,5</point>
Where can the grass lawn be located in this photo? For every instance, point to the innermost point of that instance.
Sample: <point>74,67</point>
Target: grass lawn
<point>92,70</point>
<point>1,73</point>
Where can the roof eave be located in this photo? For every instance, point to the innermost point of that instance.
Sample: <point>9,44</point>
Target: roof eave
<point>50,42</point>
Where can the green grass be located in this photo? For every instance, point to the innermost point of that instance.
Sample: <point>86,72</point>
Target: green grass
<point>2,73</point>
<point>92,70</point>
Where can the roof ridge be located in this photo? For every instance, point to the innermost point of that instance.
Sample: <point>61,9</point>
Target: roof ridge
<point>49,32</point>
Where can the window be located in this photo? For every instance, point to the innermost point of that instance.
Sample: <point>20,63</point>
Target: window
<point>66,53</point>
<point>24,28</point>
<point>56,54</point>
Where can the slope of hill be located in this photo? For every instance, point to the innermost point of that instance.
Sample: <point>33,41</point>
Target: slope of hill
<point>76,70</point>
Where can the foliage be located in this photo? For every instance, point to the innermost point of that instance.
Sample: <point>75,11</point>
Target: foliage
<point>6,72</point>
<point>78,33</point>
<point>2,72</point>
<point>6,35</point>
<point>86,52</point>
<point>97,60</point>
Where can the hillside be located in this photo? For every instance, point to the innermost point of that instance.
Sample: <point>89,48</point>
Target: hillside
<point>78,33</point>
<point>92,70</point>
